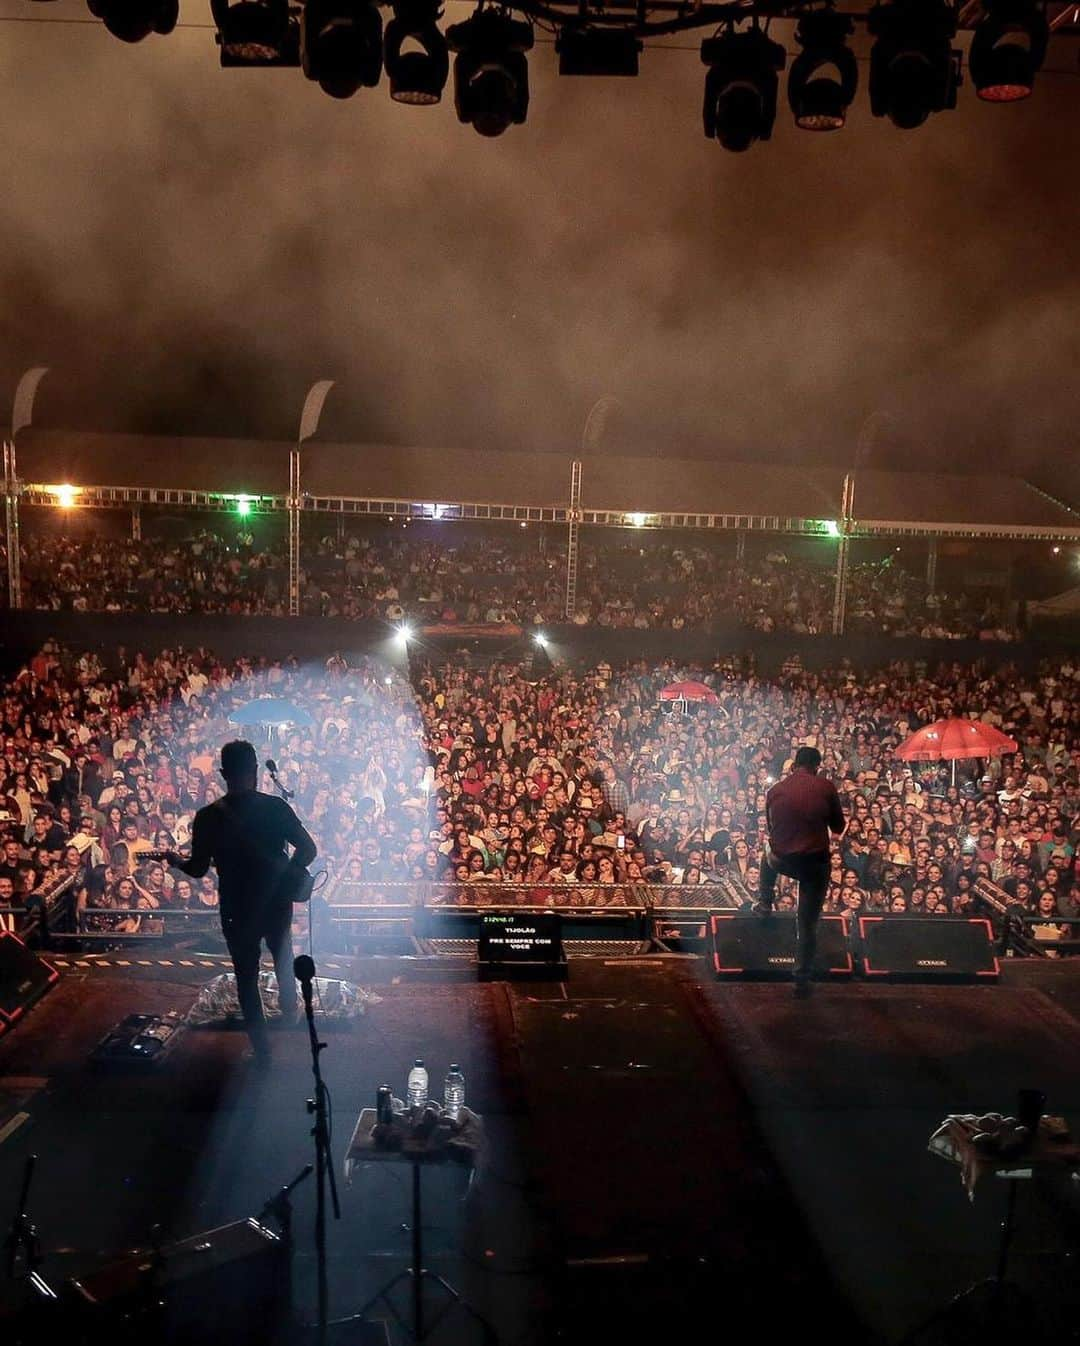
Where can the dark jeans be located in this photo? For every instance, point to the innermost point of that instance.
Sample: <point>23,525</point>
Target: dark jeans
<point>243,934</point>
<point>811,872</point>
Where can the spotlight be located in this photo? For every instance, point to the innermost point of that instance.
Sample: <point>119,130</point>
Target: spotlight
<point>256,32</point>
<point>341,45</point>
<point>66,496</point>
<point>541,640</point>
<point>1008,50</point>
<point>597,51</point>
<point>913,68</point>
<point>132,20</point>
<point>491,75</point>
<point>741,87</point>
<point>417,76</point>
<point>824,75</point>
<point>404,633</point>
<point>637,520</point>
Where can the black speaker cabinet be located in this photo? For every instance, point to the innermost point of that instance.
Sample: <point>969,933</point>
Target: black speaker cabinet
<point>229,1285</point>
<point>928,948</point>
<point>24,979</point>
<point>764,946</point>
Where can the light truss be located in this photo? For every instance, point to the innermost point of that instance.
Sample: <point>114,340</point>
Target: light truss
<point>129,497</point>
<point>751,523</point>
<point>124,497</point>
<point>1005,532</point>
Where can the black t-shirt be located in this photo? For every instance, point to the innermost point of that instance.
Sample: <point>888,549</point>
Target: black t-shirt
<point>244,836</point>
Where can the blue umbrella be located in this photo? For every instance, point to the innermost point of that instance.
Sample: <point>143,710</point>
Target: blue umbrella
<point>270,712</point>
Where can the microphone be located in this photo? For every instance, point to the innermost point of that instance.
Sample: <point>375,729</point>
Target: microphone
<point>303,970</point>
<point>271,766</point>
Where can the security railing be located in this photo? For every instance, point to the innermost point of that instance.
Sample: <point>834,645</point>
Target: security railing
<point>363,898</point>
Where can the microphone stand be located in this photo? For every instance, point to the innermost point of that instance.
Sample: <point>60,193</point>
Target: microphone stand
<point>318,1106</point>
<point>22,1244</point>
<point>282,791</point>
<point>280,1208</point>
<point>288,795</point>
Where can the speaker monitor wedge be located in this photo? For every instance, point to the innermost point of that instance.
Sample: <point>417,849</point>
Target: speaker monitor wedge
<point>762,947</point>
<point>24,979</point>
<point>928,948</point>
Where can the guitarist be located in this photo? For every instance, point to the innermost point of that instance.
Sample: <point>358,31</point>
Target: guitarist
<point>244,835</point>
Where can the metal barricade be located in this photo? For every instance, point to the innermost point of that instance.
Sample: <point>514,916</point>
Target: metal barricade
<point>1055,935</point>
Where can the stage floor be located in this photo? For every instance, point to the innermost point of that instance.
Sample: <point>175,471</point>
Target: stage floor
<point>665,1153</point>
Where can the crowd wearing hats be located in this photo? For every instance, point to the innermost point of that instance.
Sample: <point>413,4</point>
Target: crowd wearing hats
<point>576,777</point>
<point>472,575</point>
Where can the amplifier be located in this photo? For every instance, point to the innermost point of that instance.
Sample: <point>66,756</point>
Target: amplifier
<point>24,979</point>
<point>764,946</point>
<point>229,1285</point>
<point>930,948</point>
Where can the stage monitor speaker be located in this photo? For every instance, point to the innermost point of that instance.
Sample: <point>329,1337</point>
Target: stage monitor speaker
<point>229,1285</point>
<point>24,979</point>
<point>764,946</point>
<point>928,948</point>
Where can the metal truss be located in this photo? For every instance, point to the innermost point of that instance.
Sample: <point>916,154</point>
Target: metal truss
<point>1004,532</point>
<point>129,497</point>
<point>659,18</point>
<point>752,523</point>
<point>125,497</point>
<point>426,509</point>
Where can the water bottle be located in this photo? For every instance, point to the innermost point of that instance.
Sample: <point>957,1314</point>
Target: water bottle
<point>454,1092</point>
<point>416,1092</point>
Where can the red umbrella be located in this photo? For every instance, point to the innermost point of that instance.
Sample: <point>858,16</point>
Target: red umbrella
<point>949,740</point>
<point>690,691</point>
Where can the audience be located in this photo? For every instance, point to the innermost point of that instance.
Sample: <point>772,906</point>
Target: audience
<point>572,782</point>
<point>475,575</point>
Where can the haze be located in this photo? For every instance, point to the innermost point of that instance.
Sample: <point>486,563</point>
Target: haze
<point>189,247</point>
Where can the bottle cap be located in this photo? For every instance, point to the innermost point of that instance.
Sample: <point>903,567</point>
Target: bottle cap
<point>418,1062</point>
<point>454,1066</point>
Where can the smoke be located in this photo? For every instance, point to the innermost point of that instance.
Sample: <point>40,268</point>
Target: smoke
<point>189,247</point>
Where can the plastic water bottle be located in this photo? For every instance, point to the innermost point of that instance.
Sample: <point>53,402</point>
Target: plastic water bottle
<point>454,1092</point>
<point>416,1091</point>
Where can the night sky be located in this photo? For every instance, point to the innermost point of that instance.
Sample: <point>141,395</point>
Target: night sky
<point>189,247</point>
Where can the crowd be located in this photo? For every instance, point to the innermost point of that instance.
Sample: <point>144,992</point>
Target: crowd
<point>485,576</point>
<point>570,782</point>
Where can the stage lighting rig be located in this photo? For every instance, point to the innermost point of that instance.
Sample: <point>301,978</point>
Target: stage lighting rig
<point>132,20</point>
<point>598,51</point>
<point>914,70</point>
<point>1008,50</point>
<point>824,76</point>
<point>417,75</point>
<point>491,75</point>
<point>341,45</point>
<point>257,32</point>
<point>741,87</point>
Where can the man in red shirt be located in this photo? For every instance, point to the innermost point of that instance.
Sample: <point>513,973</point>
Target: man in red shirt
<point>801,810</point>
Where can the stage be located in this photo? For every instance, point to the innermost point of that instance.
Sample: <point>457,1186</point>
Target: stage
<point>665,1152</point>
